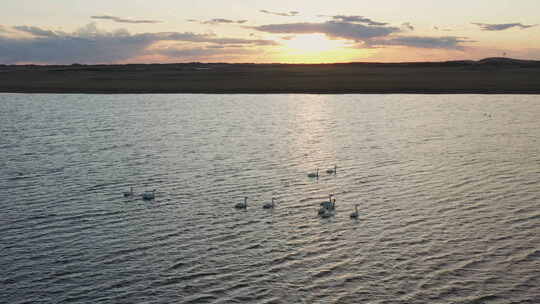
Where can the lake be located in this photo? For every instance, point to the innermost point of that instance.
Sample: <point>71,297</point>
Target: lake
<point>447,188</point>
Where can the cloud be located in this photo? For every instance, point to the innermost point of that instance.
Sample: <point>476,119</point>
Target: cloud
<point>123,20</point>
<point>218,21</point>
<point>92,45</point>
<point>333,29</point>
<point>193,53</point>
<point>407,26</point>
<point>366,33</point>
<point>441,29</point>
<point>501,27</point>
<point>36,31</point>
<point>447,42</point>
<point>356,19</point>
<point>288,14</point>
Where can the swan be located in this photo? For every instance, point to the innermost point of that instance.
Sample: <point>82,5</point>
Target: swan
<point>327,207</point>
<point>314,175</point>
<point>332,171</point>
<point>269,205</point>
<point>129,193</point>
<point>354,215</point>
<point>149,195</point>
<point>330,204</point>
<point>242,205</point>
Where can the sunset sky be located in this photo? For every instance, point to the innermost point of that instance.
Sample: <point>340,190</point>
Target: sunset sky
<point>312,31</point>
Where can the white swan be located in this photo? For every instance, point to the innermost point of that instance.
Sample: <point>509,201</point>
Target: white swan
<point>327,207</point>
<point>269,205</point>
<point>314,175</point>
<point>242,205</point>
<point>129,193</point>
<point>354,215</point>
<point>330,204</point>
<point>332,171</point>
<point>149,195</point>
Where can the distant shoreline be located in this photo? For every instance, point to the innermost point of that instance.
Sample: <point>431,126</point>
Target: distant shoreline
<point>64,92</point>
<point>488,76</point>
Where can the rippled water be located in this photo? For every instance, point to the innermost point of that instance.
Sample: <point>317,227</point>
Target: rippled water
<point>447,187</point>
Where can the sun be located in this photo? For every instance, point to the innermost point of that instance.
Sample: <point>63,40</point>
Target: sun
<point>312,43</point>
<point>318,48</point>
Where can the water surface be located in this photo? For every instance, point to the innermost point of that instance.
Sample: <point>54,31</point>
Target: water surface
<point>447,187</point>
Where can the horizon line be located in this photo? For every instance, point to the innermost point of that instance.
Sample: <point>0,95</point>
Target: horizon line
<point>507,59</point>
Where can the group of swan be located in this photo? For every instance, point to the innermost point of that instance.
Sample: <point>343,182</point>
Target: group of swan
<point>265,206</point>
<point>328,208</point>
<point>147,195</point>
<point>329,171</point>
